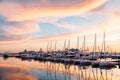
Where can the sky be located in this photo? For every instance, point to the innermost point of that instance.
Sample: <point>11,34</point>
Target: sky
<point>33,24</point>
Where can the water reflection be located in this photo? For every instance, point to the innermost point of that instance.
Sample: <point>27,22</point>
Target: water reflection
<point>58,71</point>
<point>14,73</point>
<point>5,58</point>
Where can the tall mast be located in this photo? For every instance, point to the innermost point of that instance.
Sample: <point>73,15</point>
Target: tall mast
<point>69,44</point>
<point>83,46</point>
<point>104,44</point>
<point>47,46</point>
<point>94,47</point>
<point>51,46</point>
<point>95,42</point>
<point>55,45</point>
<point>77,43</point>
<point>64,45</point>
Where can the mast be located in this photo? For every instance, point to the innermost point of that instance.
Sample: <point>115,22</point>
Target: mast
<point>77,47</point>
<point>47,46</point>
<point>104,45</point>
<point>51,46</point>
<point>95,43</point>
<point>77,43</point>
<point>94,47</point>
<point>55,45</point>
<point>69,44</point>
<point>83,46</point>
<point>64,45</point>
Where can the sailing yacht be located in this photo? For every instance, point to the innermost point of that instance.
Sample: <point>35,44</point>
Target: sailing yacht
<point>105,63</point>
<point>84,61</point>
<point>95,55</point>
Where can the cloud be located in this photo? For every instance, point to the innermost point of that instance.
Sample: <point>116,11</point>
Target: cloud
<point>21,19</point>
<point>24,27</point>
<point>13,30</point>
<point>9,37</point>
<point>110,8</point>
<point>27,10</point>
<point>23,16</point>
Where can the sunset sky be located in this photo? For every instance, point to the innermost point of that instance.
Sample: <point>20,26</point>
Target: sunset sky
<point>31,24</point>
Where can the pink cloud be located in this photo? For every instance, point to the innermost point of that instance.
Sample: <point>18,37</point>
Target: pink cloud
<point>18,30</point>
<point>27,10</point>
<point>25,13</point>
<point>24,27</point>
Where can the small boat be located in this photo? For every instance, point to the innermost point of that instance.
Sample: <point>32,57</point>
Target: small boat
<point>28,57</point>
<point>93,57</point>
<point>115,56</point>
<point>57,60</point>
<point>5,55</point>
<point>85,62</point>
<point>95,63</point>
<point>62,60</point>
<point>76,61</point>
<point>48,58</point>
<point>107,64</point>
<point>68,61</point>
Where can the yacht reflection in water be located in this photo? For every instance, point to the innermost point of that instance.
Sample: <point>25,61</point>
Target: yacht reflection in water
<point>58,71</point>
<point>15,69</point>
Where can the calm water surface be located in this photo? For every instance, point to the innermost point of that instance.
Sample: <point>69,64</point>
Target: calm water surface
<point>16,69</point>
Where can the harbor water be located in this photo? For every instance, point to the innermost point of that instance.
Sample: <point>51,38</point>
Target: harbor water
<point>17,69</point>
